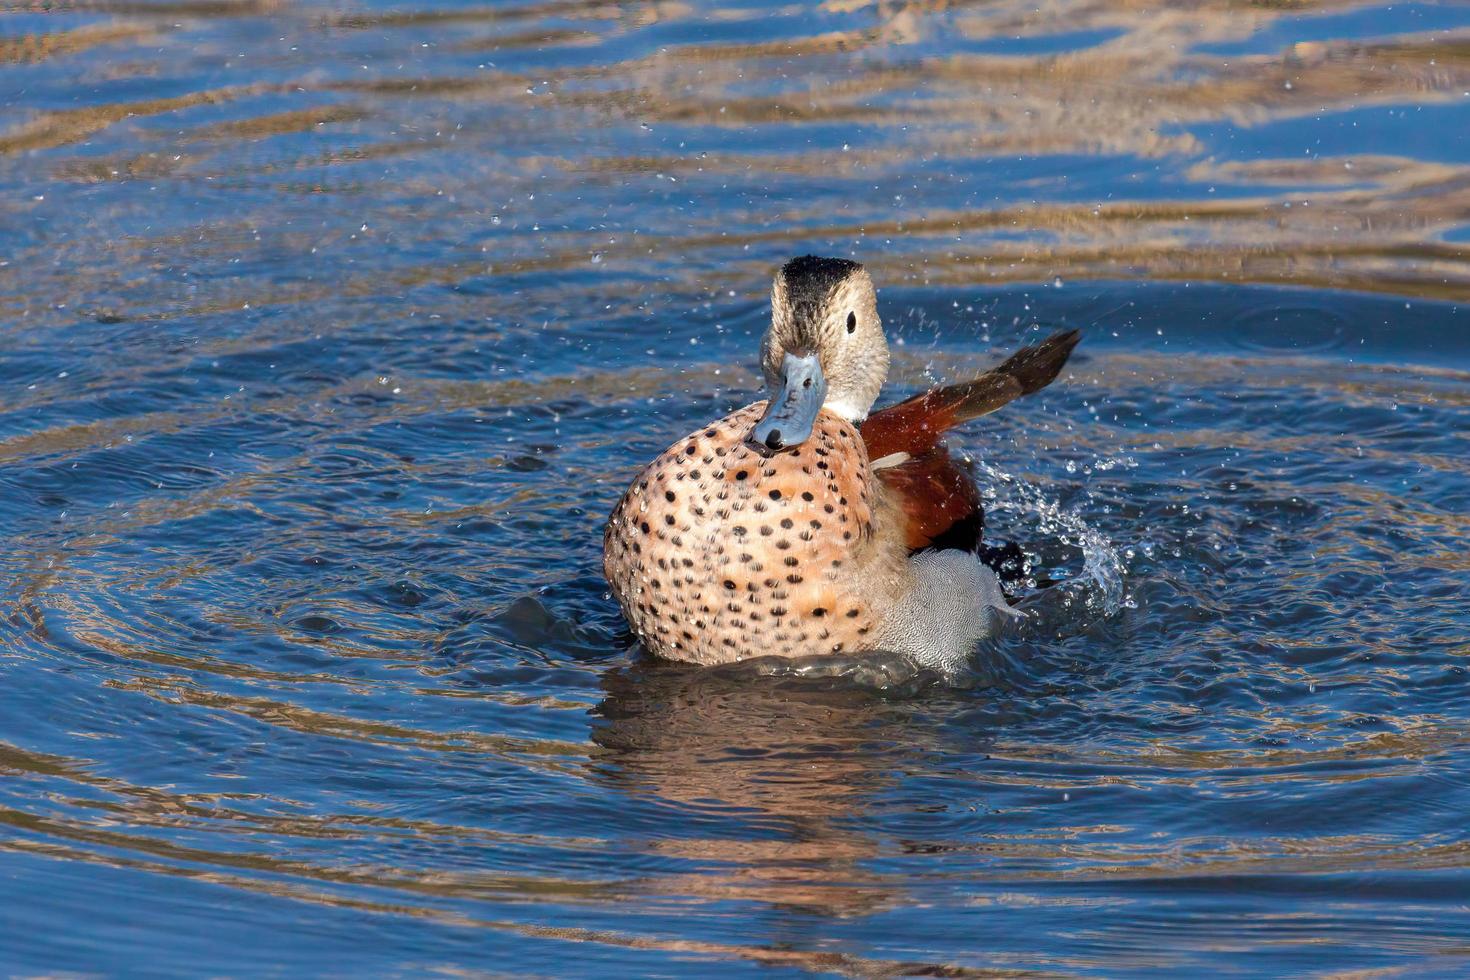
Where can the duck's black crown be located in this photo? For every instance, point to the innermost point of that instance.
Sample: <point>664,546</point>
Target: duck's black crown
<point>814,272</point>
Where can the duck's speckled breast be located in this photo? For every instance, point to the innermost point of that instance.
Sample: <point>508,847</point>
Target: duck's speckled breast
<point>718,553</point>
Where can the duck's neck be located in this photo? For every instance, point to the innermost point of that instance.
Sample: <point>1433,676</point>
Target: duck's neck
<point>847,408</point>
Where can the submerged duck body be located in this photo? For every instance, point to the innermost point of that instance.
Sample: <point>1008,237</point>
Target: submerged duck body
<point>798,525</point>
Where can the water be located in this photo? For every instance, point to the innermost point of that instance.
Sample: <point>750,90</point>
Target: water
<point>329,333</point>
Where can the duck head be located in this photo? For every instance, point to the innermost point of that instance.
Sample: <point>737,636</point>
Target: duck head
<point>825,349</point>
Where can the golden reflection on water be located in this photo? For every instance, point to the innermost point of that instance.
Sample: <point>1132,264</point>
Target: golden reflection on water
<point>1119,81</point>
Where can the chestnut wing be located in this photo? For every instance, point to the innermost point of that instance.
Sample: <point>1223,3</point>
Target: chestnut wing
<point>938,496</point>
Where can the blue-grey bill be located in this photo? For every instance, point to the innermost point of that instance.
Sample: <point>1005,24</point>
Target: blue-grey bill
<point>793,408</point>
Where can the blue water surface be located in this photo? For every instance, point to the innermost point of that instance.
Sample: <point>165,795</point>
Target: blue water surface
<point>330,333</point>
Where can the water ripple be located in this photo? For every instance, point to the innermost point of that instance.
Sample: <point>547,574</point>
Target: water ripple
<point>332,331</point>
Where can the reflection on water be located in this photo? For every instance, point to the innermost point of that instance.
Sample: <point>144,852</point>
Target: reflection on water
<point>330,332</point>
<point>797,764</point>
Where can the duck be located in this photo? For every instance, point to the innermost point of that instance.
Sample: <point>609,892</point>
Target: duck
<point>805,523</point>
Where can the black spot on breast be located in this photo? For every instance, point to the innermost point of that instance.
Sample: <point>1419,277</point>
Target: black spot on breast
<point>730,585</point>
<point>741,474</point>
<point>787,523</point>
<point>807,496</point>
<point>775,494</point>
<point>669,496</point>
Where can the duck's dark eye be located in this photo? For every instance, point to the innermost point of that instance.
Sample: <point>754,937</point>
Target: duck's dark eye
<point>851,322</point>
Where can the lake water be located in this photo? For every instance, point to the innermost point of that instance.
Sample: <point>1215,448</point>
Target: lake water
<point>330,332</point>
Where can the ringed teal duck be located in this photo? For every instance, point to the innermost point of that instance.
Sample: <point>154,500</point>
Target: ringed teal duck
<point>802,525</point>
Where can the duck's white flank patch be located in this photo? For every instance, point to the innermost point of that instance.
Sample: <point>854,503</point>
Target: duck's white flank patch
<point>892,459</point>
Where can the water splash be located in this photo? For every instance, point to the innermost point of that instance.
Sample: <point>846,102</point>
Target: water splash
<point>1085,576</point>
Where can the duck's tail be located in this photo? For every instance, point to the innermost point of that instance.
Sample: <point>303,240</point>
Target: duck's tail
<point>916,424</point>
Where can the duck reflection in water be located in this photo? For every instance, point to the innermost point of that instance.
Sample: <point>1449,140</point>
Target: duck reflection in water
<point>795,752</point>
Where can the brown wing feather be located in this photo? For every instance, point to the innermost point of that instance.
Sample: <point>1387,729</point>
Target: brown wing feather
<point>938,496</point>
<point>917,424</point>
<point>939,500</point>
